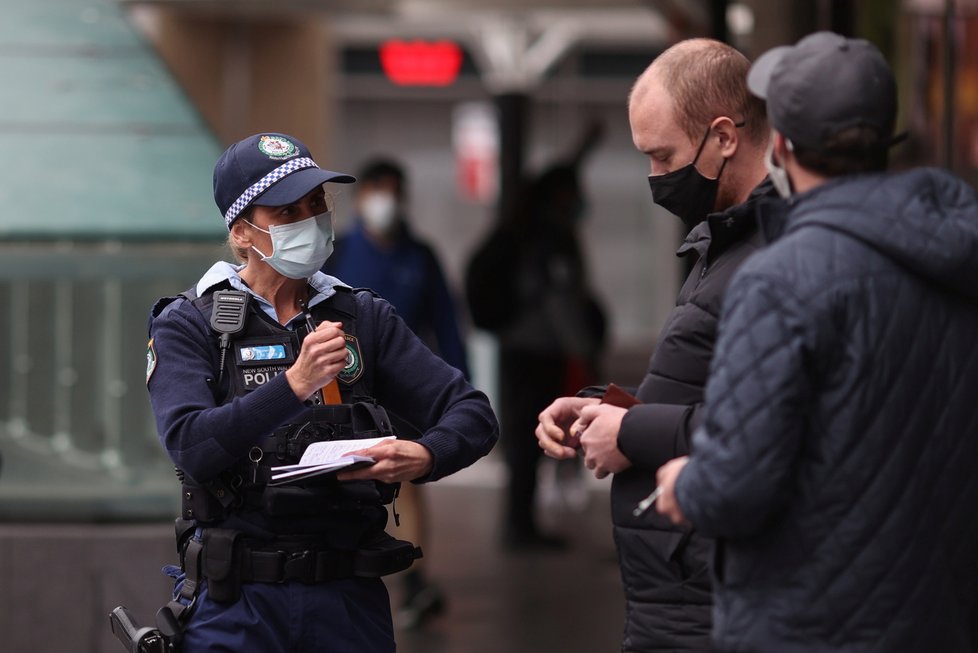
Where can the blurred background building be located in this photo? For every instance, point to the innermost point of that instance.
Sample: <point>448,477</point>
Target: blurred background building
<point>112,114</point>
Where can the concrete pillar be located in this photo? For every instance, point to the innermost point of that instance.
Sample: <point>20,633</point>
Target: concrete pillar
<point>250,73</point>
<point>778,23</point>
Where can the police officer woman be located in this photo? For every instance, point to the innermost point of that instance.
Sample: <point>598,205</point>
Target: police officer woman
<point>249,367</point>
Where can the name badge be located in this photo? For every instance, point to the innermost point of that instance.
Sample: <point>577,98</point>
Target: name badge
<point>277,350</point>
<point>262,353</point>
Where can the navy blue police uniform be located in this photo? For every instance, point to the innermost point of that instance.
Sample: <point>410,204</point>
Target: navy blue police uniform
<point>295,566</point>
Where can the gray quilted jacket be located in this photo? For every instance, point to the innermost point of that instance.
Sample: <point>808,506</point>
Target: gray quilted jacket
<point>838,460</point>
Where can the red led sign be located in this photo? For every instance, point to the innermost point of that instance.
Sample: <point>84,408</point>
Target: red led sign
<point>421,63</point>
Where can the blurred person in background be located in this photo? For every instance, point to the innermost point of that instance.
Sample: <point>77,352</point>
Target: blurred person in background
<point>381,253</point>
<point>836,460</point>
<point>705,135</point>
<point>528,284</point>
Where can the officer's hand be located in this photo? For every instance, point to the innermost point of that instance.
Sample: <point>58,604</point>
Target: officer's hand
<point>665,478</point>
<point>323,356</point>
<point>553,432</point>
<point>599,426</point>
<point>397,461</point>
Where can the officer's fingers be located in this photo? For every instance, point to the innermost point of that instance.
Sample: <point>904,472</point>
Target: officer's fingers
<point>330,356</point>
<point>325,332</point>
<point>325,327</point>
<point>395,463</point>
<point>324,353</point>
<point>331,340</point>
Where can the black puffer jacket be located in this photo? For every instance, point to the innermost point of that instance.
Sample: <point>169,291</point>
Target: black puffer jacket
<point>664,569</point>
<point>837,463</point>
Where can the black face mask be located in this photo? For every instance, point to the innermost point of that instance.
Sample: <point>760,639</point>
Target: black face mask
<point>686,192</point>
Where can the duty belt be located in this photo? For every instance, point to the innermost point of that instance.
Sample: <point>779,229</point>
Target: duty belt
<point>316,566</point>
<point>228,560</point>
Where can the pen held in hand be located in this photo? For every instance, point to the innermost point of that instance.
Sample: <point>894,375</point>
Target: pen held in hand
<point>647,502</point>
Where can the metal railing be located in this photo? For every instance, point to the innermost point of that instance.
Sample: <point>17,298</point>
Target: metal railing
<point>76,430</point>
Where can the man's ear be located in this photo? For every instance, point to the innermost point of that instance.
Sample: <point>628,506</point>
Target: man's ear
<point>782,148</point>
<point>724,129</point>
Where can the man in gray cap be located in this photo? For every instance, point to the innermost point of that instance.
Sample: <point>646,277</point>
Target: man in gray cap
<point>835,465</point>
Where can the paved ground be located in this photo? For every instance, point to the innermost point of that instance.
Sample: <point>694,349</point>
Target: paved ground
<point>59,581</point>
<point>507,602</point>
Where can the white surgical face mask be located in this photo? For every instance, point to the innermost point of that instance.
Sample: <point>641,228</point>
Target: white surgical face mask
<point>779,176</point>
<point>299,249</point>
<point>379,211</point>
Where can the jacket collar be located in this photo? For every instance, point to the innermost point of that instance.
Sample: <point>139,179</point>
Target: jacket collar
<point>225,274</point>
<point>721,229</point>
<point>777,216</point>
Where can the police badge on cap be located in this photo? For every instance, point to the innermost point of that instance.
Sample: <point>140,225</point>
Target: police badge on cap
<point>277,147</point>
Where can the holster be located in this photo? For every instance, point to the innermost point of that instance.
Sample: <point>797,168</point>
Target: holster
<point>384,556</point>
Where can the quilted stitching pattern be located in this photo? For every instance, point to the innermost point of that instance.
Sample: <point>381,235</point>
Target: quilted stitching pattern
<point>838,451</point>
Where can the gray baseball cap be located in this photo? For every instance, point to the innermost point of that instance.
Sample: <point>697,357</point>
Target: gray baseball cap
<point>824,84</point>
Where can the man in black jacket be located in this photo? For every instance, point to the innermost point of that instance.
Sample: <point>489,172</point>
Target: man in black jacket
<point>705,136</point>
<point>836,463</point>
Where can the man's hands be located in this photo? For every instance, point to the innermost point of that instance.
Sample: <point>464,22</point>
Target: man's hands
<point>666,477</point>
<point>397,461</point>
<point>598,426</point>
<point>323,356</point>
<point>570,424</point>
<point>554,433</point>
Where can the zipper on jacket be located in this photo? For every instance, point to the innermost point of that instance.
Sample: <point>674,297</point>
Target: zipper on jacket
<point>706,266</point>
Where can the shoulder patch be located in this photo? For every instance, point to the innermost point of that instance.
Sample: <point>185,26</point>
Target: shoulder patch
<point>150,360</point>
<point>354,362</point>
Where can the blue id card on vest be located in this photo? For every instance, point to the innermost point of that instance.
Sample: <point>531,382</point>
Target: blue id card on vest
<point>262,353</point>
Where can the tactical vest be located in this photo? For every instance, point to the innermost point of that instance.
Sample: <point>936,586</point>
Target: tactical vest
<point>256,355</point>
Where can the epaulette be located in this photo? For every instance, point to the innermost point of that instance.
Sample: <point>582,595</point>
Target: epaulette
<point>356,291</point>
<point>344,300</point>
<point>162,303</point>
<point>165,304</point>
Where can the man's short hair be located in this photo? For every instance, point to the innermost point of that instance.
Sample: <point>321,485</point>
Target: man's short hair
<point>851,151</point>
<point>708,79</point>
<point>380,169</point>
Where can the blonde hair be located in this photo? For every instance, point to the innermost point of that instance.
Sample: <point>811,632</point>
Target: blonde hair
<point>240,254</point>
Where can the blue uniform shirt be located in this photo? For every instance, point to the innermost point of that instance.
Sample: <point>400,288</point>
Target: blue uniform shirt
<point>204,437</point>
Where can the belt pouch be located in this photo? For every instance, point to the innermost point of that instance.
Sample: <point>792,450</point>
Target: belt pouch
<point>385,556</point>
<point>221,564</point>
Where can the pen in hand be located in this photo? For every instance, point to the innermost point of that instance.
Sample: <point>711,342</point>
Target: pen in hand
<point>647,502</point>
<point>330,394</point>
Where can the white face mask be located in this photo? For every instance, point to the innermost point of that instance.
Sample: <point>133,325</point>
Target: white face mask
<point>299,249</point>
<point>379,211</point>
<point>779,176</point>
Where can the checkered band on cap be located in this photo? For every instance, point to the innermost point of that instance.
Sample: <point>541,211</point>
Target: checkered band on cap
<point>264,184</point>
